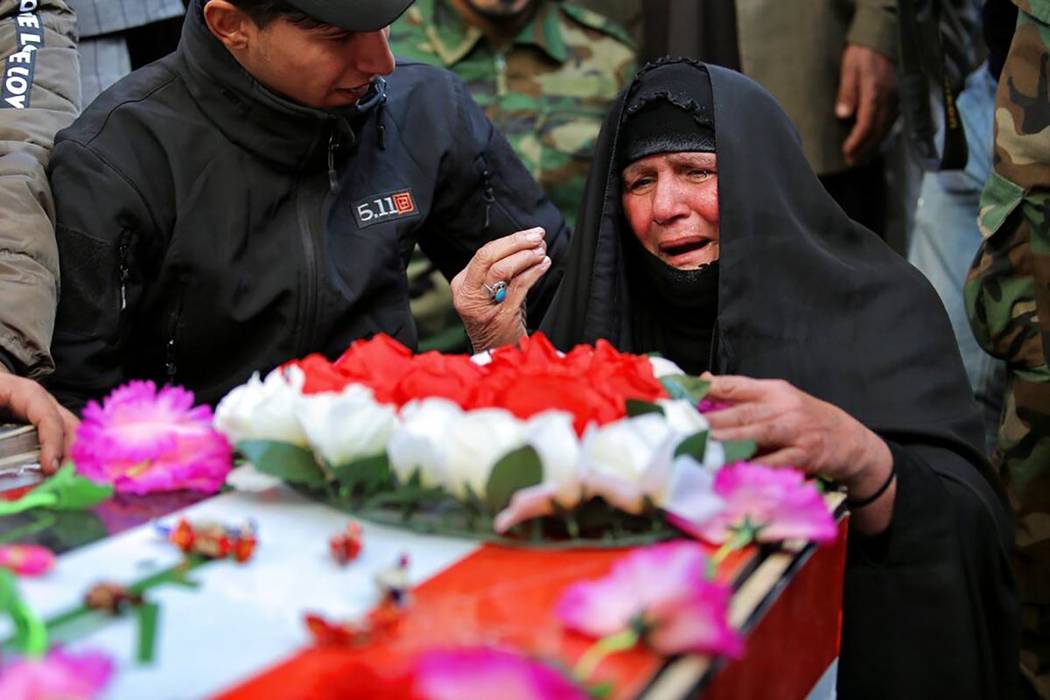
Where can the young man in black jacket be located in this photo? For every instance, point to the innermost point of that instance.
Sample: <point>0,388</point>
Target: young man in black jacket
<point>254,197</point>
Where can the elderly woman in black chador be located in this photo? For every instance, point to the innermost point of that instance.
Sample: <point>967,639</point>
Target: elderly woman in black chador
<point>705,236</point>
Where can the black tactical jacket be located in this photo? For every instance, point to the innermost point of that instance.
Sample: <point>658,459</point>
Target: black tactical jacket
<point>208,228</point>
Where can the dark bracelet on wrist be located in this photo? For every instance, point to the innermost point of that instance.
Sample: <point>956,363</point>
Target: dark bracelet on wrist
<point>855,503</point>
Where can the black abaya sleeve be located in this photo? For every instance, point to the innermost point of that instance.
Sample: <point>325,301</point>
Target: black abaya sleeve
<point>930,606</point>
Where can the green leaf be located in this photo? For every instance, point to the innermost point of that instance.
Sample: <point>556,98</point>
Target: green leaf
<point>285,461</point>
<point>366,476</point>
<point>693,446</point>
<point>636,407</point>
<point>684,386</point>
<point>66,490</point>
<point>74,492</point>
<point>147,639</point>
<point>517,470</point>
<point>737,450</point>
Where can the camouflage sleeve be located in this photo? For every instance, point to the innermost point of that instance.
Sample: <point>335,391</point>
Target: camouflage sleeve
<point>1008,289</point>
<point>1008,302</point>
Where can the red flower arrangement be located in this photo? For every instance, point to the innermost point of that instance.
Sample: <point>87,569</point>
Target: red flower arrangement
<point>591,383</point>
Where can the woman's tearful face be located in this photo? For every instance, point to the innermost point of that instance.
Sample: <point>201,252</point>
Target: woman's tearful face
<point>671,204</point>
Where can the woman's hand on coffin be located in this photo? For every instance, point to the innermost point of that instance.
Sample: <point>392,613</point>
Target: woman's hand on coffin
<point>793,428</point>
<point>518,261</point>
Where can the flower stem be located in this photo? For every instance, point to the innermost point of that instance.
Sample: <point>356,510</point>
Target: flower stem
<point>31,630</point>
<point>740,539</point>
<point>593,657</point>
<point>33,633</point>
<point>31,500</point>
<point>30,636</point>
<point>42,523</point>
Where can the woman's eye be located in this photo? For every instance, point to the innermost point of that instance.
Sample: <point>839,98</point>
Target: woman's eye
<point>635,185</point>
<point>700,173</point>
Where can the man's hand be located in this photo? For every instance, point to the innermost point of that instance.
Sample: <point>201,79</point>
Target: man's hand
<point>25,400</point>
<point>519,260</point>
<point>868,92</point>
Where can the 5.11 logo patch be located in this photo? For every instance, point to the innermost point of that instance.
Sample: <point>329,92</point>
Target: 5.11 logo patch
<point>380,208</point>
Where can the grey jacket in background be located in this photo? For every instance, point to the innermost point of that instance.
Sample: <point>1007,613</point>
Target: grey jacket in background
<point>794,49</point>
<point>39,95</point>
<point>98,17</point>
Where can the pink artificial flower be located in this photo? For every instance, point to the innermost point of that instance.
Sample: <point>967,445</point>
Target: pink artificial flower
<point>660,590</point>
<point>26,559</point>
<point>57,675</point>
<point>142,440</point>
<point>484,674</point>
<point>779,503</point>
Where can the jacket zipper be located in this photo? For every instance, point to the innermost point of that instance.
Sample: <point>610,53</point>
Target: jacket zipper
<point>170,367</point>
<point>333,176</point>
<point>123,271</point>
<point>487,193</point>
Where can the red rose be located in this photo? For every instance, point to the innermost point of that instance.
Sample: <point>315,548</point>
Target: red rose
<point>453,377</point>
<point>530,392</point>
<point>533,351</point>
<point>630,376</point>
<point>592,383</point>
<point>377,363</point>
<point>321,375</point>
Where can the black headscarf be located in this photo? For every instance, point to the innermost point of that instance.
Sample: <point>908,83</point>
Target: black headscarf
<point>673,311</point>
<point>808,295</point>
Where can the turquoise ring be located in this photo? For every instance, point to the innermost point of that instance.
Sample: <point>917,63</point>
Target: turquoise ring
<point>497,292</point>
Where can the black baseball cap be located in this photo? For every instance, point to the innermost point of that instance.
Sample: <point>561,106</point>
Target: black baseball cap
<point>353,15</point>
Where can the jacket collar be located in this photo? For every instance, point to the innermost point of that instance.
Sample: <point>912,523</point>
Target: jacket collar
<point>453,38</point>
<point>280,131</point>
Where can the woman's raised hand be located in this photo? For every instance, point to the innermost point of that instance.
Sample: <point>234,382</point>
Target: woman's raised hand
<point>489,293</point>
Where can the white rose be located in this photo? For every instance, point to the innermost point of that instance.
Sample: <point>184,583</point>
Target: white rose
<point>714,455</point>
<point>346,426</point>
<point>475,442</point>
<point>553,437</point>
<point>616,457</point>
<point>625,447</point>
<point>420,442</point>
<point>680,485</point>
<point>690,491</point>
<point>263,410</point>
<point>682,416</point>
<point>662,367</point>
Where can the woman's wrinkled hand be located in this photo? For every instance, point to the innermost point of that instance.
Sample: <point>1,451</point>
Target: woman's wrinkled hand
<point>25,400</point>
<point>519,260</point>
<point>793,428</point>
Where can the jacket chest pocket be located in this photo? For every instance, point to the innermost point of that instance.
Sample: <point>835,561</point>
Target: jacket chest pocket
<point>99,272</point>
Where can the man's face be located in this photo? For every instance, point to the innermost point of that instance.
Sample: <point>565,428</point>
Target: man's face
<point>671,204</point>
<point>322,67</point>
<point>499,8</point>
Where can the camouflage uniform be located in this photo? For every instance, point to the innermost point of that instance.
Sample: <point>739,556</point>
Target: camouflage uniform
<point>547,91</point>
<point>1008,301</point>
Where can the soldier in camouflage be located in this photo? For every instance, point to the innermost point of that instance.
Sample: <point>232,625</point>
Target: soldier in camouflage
<point>1008,302</point>
<point>545,72</point>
